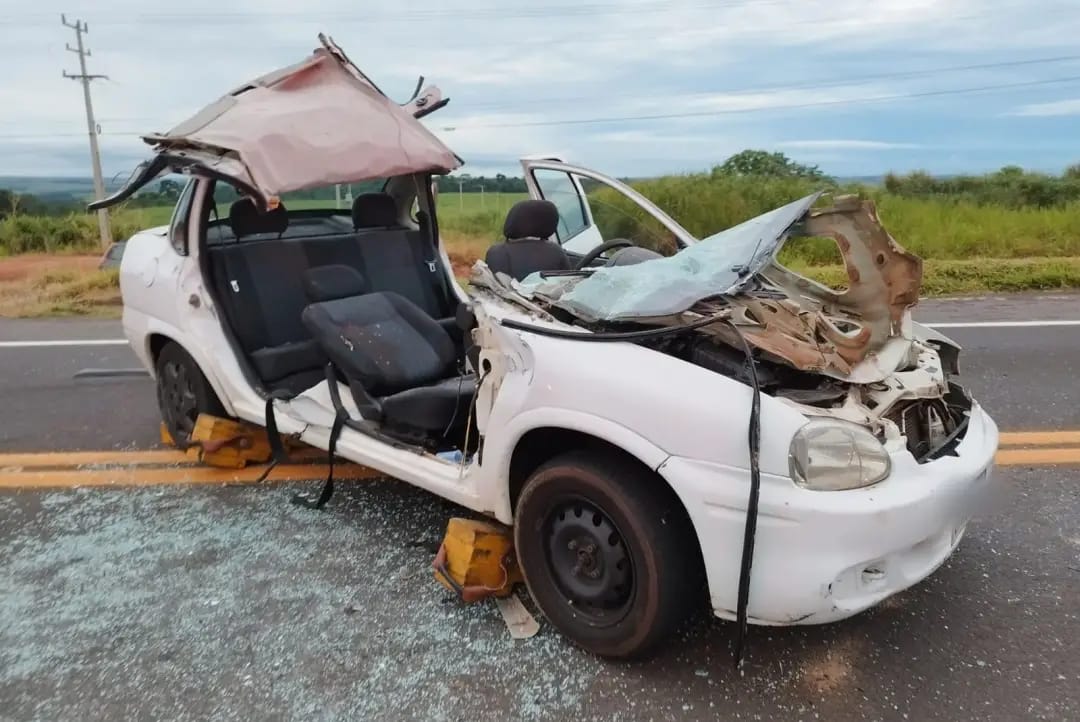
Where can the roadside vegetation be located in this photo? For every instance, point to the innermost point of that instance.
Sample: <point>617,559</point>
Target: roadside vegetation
<point>1011,230</point>
<point>34,285</point>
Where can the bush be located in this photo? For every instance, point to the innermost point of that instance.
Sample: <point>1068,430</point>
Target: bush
<point>1010,187</point>
<point>20,233</point>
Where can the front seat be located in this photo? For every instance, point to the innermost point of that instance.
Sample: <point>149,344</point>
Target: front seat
<point>246,220</point>
<point>375,210</point>
<point>528,226</point>
<point>399,363</point>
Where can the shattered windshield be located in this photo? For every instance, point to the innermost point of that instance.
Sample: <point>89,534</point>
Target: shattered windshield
<point>718,265</point>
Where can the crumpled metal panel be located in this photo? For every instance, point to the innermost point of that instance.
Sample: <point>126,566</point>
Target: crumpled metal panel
<point>314,123</point>
<point>844,334</point>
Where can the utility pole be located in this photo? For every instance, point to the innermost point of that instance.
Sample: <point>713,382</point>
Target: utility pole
<point>95,155</point>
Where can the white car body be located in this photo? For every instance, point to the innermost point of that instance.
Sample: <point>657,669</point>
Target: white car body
<point>808,447</point>
<point>820,556</point>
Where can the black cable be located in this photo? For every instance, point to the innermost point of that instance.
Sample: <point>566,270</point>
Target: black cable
<point>739,111</point>
<point>612,335</point>
<point>750,529</point>
<point>753,439</point>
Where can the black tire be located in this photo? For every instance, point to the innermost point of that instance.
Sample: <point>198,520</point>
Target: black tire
<point>642,576</point>
<point>182,392</point>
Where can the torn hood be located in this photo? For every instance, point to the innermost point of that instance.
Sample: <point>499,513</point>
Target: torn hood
<point>718,265</point>
<point>317,122</point>
<point>861,334</point>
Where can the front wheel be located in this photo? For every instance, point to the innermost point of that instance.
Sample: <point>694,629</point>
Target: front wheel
<point>608,552</point>
<point>182,392</point>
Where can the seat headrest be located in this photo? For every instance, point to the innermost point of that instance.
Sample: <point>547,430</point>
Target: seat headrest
<point>245,219</point>
<point>374,210</point>
<point>531,219</point>
<point>329,283</point>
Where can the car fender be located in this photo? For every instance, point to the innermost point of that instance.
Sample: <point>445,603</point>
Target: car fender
<point>141,329</point>
<point>498,455</point>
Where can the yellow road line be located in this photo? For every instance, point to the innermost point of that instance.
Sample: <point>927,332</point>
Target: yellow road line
<point>83,458</point>
<point>170,466</point>
<point>1039,438</point>
<point>194,475</point>
<point>1017,457</point>
<point>72,459</point>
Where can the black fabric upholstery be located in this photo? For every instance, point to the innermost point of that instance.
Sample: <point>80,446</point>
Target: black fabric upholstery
<point>262,285</point>
<point>245,219</point>
<point>406,265</point>
<point>527,249</point>
<point>531,219</point>
<point>261,288</point>
<point>520,258</point>
<point>328,283</point>
<point>274,363</point>
<point>389,349</point>
<point>382,341</point>
<point>374,210</point>
<point>432,408</point>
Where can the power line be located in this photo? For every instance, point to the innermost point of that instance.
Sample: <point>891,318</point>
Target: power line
<point>808,85</point>
<point>849,80</point>
<point>458,14</point>
<point>95,155</point>
<point>732,111</point>
<point>687,114</point>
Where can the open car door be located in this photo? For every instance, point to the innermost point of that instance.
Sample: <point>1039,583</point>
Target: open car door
<point>593,210</point>
<point>352,132</point>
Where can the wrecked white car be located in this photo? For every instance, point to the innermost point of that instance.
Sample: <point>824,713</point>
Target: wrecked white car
<point>648,423</point>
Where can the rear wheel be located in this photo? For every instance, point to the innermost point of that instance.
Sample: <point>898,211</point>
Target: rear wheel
<point>608,552</point>
<point>182,392</point>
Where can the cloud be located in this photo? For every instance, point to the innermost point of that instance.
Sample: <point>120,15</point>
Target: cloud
<point>845,144</point>
<point>740,64</point>
<point>1048,110</point>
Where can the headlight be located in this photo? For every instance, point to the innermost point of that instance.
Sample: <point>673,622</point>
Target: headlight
<point>828,455</point>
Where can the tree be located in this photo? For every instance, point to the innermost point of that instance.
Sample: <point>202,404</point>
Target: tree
<point>170,189</point>
<point>763,164</point>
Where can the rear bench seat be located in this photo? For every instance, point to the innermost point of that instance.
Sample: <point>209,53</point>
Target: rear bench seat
<point>259,282</point>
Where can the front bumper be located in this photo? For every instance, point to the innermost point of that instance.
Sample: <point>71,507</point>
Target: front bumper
<point>824,556</point>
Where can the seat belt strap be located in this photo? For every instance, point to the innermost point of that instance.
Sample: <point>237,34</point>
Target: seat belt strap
<point>328,485</point>
<point>433,260</point>
<point>273,438</point>
<point>341,415</point>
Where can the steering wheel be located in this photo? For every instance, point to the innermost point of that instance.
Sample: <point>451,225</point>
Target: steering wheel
<point>601,249</point>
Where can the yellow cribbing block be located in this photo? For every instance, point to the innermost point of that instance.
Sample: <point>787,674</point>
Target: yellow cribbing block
<point>166,437</point>
<point>477,560</point>
<point>227,443</point>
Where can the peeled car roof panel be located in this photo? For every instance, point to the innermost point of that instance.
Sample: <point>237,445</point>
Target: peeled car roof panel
<point>311,124</point>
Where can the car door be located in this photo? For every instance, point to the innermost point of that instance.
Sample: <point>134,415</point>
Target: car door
<point>595,209</point>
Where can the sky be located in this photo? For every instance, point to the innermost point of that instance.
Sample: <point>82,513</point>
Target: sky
<point>627,87</point>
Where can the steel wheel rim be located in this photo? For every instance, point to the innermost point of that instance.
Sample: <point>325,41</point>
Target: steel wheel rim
<point>176,395</point>
<point>588,561</point>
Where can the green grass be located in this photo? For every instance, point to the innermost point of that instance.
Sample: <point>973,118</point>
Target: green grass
<point>967,246</point>
<point>62,292</point>
<point>976,275</point>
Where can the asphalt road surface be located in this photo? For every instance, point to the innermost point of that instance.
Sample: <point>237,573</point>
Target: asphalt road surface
<point>226,602</point>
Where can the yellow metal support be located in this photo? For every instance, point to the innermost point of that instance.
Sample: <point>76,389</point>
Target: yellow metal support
<point>477,560</point>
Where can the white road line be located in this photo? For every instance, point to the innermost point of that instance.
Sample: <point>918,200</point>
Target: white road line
<point>944,324</point>
<point>65,342</point>
<point>1000,324</point>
